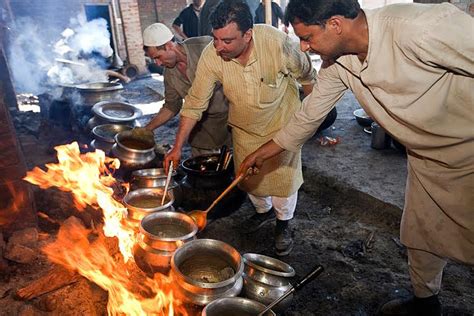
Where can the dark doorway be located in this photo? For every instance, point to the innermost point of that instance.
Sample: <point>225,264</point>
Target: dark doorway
<point>95,11</point>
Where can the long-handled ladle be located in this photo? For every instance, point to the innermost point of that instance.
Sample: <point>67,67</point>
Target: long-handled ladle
<point>309,277</point>
<point>200,217</point>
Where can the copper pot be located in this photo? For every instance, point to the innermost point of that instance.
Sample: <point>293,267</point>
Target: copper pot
<point>205,270</point>
<point>142,202</point>
<point>125,150</point>
<point>266,279</point>
<point>160,235</point>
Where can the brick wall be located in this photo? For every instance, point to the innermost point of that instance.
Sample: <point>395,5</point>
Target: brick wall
<point>148,12</point>
<point>133,33</point>
<point>168,10</point>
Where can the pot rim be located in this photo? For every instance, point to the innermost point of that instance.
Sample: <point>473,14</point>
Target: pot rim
<point>131,150</point>
<point>208,173</point>
<point>250,258</point>
<point>110,126</point>
<point>144,191</point>
<point>151,173</point>
<point>107,86</point>
<point>169,214</point>
<point>205,285</point>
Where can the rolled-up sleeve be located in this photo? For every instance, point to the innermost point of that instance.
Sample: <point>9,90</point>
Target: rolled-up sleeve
<point>327,91</point>
<point>197,100</point>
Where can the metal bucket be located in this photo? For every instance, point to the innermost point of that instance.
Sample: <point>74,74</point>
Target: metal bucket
<point>235,306</point>
<point>160,235</point>
<point>266,279</point>
<point>205,270</point>
<point>380,139</point>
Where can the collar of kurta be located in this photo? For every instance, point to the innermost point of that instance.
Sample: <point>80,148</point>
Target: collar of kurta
<point>252,57</point>
<point>351,62</point>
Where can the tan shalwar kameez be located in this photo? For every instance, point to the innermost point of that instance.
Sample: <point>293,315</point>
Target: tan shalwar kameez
<point>263,95</point>
<point>417,82</point>
<point>212,131</point>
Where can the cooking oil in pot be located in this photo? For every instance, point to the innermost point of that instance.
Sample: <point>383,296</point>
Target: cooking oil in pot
<point>146,201</point>
<point>168,230</point>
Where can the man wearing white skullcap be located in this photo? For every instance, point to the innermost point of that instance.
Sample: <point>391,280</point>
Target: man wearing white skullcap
<point>180,61</point>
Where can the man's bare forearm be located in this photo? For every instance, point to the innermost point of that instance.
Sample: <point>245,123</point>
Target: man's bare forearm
<point>163,116</point>
<point>256,159</point>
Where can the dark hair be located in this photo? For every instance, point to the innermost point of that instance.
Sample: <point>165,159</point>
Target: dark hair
<point>317,12</point>
<point>228,11</point>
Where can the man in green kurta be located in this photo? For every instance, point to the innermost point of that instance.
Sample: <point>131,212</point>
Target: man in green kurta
<point>411,67</point>
<point>258,68</point>
<point>180,60</point>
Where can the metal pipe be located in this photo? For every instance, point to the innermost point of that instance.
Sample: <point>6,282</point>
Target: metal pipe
<point>268,12</point>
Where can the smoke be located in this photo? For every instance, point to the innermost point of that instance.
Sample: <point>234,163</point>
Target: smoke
<point>79,54</point>
<point>28,56</point>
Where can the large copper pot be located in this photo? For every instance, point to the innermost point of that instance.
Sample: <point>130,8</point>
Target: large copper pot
<point>160,235</point>
<point>205,270</point>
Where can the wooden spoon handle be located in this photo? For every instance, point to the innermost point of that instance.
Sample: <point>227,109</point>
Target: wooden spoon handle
<point>167,183</point>
<point>230,187</point>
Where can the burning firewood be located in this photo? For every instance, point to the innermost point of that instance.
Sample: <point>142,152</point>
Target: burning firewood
<point>55,279</point>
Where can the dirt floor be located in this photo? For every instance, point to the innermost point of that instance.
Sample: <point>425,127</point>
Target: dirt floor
<point>352,232</point>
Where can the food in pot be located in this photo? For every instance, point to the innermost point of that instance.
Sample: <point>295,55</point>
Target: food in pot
<point>168,230</point>
<point>136,144</point>
<point>146,201</point>
<point>207,268</point>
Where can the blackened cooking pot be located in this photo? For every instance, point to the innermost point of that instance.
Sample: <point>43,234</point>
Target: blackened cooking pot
<point>203,184</point>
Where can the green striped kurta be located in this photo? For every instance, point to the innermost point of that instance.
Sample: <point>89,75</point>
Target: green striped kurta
<point>262,95</point>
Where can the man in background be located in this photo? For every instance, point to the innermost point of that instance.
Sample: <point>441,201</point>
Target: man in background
<point>189,19</point>
<point>277,14</point>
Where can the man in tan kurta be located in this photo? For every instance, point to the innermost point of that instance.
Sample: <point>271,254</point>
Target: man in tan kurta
<point>180,60</point>
<point>258,68</point>
<point>411,67</point>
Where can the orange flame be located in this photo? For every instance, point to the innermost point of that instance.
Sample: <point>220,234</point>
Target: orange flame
<point>73,250</point>
<point>9,212</point>
<point>89,179</point>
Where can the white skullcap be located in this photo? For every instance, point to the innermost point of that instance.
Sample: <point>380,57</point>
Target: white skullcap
<point>156,34</point>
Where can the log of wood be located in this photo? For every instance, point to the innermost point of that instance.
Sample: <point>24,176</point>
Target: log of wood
<point>53,280</point>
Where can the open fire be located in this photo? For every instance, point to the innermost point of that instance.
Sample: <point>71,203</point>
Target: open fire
<point>89,178</point>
